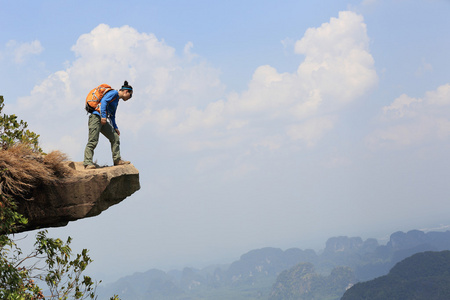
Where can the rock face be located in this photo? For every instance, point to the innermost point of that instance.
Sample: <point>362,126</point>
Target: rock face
<point>84,194</point>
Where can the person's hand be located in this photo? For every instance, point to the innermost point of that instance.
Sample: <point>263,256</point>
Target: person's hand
<point>117,130</point>
<point>103,121</point>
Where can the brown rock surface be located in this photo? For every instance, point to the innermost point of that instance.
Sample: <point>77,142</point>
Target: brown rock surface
<point>86,193</point>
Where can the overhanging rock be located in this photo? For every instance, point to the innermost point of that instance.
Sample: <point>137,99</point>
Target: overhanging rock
<point>84,194</point>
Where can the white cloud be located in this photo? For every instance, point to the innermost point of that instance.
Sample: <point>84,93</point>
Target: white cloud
<point>183,99</point>
<point>337,70</point>
<point>337,58</point>
<point>401,107</point>
<point>310,131</point>
<point>440,97</point>
<point>165,85</point>
<point>21,51</point>
<point>409,121</point>
<point>204,119</point>
<point>187,51</point>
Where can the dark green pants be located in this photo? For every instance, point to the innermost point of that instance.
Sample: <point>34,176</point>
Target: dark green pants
<point>95,127</point>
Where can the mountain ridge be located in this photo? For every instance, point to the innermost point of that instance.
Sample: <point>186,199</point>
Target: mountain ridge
<point>254,274</point>
<point>424,275</point>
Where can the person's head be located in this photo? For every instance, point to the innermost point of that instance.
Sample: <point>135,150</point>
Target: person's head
<point>126,92</point>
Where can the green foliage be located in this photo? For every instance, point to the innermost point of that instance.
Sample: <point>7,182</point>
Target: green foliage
<point>10,219</point>
<point>63,275</point>
<point>15,280</point>
<point>51,261</point>
<point>14,131</point>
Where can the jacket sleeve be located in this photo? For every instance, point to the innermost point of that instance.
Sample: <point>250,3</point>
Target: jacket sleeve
<point>112,117</point>
<point>108,97</point>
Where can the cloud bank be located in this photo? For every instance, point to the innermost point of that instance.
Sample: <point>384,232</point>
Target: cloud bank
<point>22,51</point>
<point>409,121</point>
<point>179,97</point>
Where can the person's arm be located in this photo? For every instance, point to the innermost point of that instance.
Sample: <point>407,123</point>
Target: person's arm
<point>113,121</point>
<point>112,114</point>
<point>112,117</point>
<point>108,97</point>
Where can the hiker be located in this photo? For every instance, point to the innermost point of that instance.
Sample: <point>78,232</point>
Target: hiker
<point>106,109</point>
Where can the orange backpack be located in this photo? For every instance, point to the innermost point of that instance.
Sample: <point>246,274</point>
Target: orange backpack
<point>95,96</point>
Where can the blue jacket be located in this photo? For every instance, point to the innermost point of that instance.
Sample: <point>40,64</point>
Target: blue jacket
<point>108,106</point>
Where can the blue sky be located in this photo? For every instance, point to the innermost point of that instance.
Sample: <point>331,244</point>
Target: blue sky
<point>253,123</point>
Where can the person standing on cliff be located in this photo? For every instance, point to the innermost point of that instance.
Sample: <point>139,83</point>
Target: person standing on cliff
<point>98,122</point>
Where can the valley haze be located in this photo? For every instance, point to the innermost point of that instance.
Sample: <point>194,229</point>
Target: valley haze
<point>252,124</point>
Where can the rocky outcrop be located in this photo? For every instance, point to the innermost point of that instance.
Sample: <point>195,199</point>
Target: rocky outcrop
<point>86,193</point>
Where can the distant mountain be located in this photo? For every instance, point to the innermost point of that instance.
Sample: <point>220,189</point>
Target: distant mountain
<point>266,262</point>
<point>259,273</point>
<point>302,282</point>
<point>400,246</point>
<point>423,276</point>
<point>250,277</point>
<point>153,284</point>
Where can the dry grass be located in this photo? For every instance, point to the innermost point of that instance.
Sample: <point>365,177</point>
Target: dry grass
<point>21,170</point>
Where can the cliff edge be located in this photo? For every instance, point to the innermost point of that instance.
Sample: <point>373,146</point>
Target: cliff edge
<point>83,194</point>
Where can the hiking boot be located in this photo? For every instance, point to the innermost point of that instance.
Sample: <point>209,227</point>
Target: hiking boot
<point>120,162</point>
<point>89,167</point>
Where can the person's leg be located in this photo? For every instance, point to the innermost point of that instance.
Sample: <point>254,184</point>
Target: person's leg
<point>94,132</point>
<point>109,132</point>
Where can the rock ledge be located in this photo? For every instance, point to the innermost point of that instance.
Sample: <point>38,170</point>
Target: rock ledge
<point>86,193</point>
